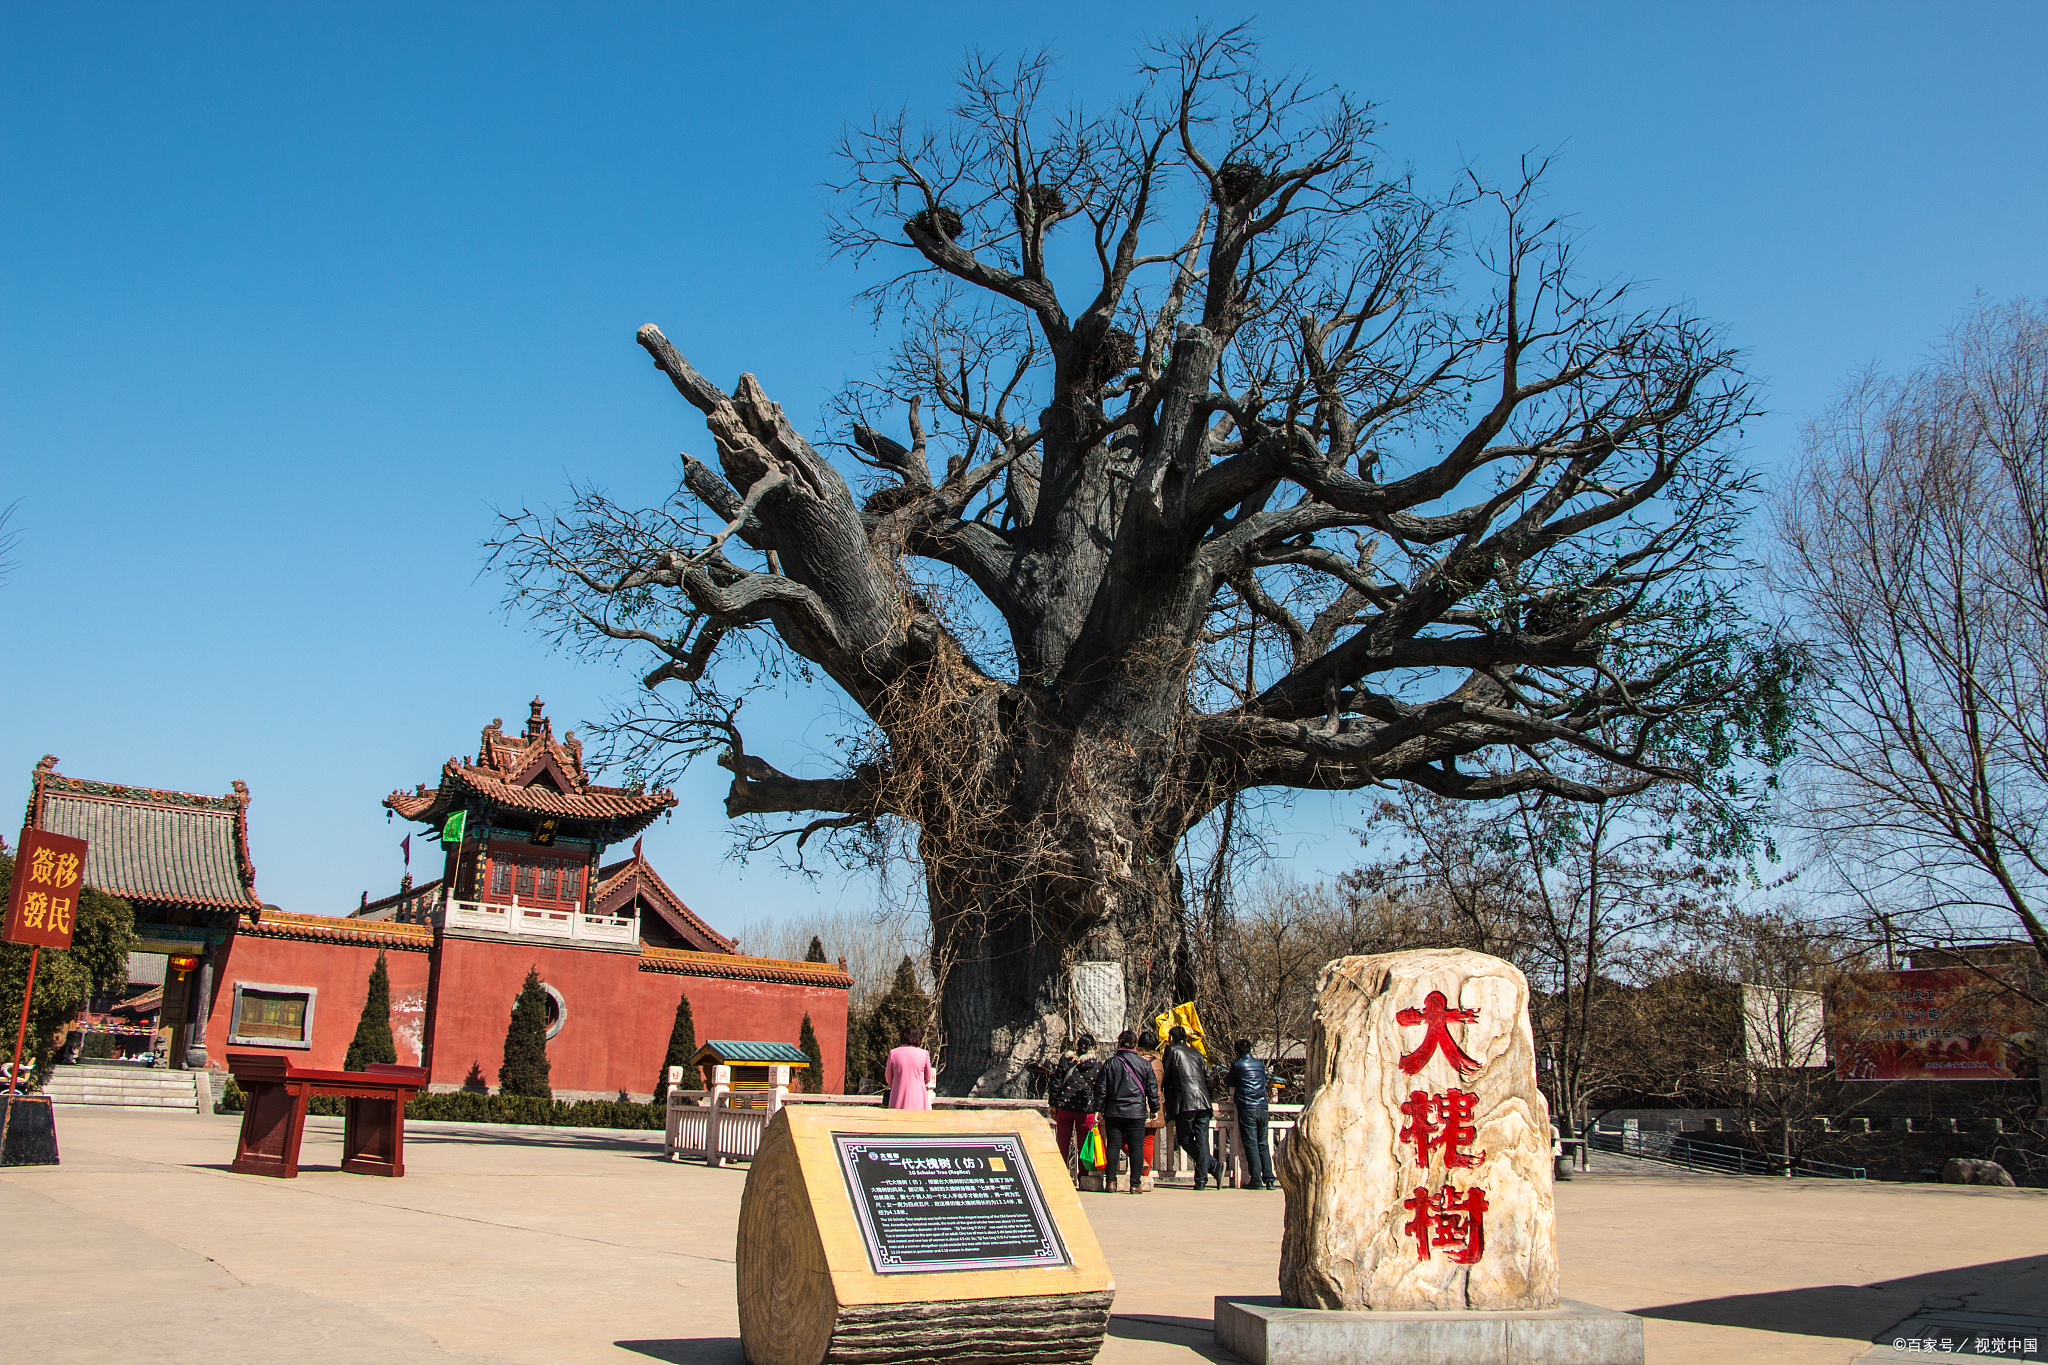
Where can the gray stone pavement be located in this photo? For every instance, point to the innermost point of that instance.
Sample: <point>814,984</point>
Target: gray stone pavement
<point>536,1246</point>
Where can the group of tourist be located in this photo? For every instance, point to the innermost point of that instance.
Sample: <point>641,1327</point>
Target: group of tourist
<point>1138,1090</point>
<point>1129,1096</point>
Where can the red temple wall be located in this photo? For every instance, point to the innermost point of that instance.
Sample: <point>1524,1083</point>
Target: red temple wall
<point>340,974</point>
<point>757,1011</point>
<point>616,1018</point>
<point>459,998</point>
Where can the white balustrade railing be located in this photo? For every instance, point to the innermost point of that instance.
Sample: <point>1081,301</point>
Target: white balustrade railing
<point>711,1125</point>
<point>535,921</point>
<point>720,1124</point>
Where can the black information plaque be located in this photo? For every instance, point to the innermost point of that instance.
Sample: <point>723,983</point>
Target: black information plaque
<point>938,1202</point>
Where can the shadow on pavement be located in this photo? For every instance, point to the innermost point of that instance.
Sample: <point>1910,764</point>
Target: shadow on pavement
<point>1194,1334</point>
<point>1855,1312</point>
<point>689,1350</point>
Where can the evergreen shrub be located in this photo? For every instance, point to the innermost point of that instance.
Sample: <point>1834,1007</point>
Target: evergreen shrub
<point>682,1045</point>
<point>373,1042</point>
<point>525,1071</point>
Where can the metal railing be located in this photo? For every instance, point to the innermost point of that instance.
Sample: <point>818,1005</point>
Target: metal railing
<point>1680,1150</point>
<point>534,921</point>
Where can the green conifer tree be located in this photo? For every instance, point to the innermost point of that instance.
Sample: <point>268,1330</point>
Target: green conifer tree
<point>817,952</point>
<point>525,1071</point>
<point>905,1005</point>
<point>682,1046</point>
<point>813,1077</point>
<point>373,1042</point>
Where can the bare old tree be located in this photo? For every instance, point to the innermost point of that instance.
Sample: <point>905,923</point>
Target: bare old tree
<point>1915,546</point>
<point>1166,369</point>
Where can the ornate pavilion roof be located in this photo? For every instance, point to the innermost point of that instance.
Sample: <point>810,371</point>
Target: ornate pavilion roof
<point>622,883</point>
<point>535,774</point>
<point>166,848</point>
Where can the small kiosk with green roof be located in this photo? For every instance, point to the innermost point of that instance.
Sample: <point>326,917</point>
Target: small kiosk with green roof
<point>749,1062</point>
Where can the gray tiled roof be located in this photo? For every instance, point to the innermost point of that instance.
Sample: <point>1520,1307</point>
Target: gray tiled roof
<point>176,854</point>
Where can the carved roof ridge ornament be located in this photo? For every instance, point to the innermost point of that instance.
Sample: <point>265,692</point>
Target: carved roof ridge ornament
<point>508,772</point>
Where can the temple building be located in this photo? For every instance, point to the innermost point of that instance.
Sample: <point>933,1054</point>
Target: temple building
<point>524,885</point>
<point>182,860</point>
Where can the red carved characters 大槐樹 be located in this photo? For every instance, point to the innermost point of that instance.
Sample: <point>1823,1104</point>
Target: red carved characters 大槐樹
<point>1442,1123</point>
<point>1451,1221</point>
<point>1436,1015</point>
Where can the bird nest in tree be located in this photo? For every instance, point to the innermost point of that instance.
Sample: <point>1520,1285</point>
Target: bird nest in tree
<point>888,498</point>
<point>940,222</point>
<point>1118,353</point>
<point>1237,180</point>
<point>1047,203</point>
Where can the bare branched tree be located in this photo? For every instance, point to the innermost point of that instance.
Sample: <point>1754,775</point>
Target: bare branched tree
<point>1604,906</point>
<point>1166,370</point>
<point>871,945</point>
<point>1915,547</point>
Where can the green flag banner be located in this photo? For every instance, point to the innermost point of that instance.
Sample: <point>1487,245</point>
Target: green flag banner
<point>451,833</point>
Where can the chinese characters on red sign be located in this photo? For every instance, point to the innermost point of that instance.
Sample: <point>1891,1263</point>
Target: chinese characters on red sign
<point>1441,1124</point>
<point>42,905</point>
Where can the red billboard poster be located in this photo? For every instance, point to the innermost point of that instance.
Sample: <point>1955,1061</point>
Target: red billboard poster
<point>42,905</point>
<point>1950,1024</point>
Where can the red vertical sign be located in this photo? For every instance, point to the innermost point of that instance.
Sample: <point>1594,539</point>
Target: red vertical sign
<point>42,906</point>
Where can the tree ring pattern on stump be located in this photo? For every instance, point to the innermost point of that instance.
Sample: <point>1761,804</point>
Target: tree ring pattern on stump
<point>785,1288</point>
<point>1053,1330</point>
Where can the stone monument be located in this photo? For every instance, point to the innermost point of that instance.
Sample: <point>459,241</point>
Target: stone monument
<point>1418,1182</point>
<point>899,1236</point>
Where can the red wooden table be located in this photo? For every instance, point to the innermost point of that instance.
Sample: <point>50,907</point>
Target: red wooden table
<point>274,1121</point>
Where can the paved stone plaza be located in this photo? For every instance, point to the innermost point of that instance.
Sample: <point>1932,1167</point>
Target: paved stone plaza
<point>523,1246</point>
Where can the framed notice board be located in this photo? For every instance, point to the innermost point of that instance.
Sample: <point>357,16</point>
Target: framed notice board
<point>934,1202</point>
<point>912,1234</point>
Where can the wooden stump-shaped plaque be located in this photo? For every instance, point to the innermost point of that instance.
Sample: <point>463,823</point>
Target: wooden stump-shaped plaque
<point>886,1235</point>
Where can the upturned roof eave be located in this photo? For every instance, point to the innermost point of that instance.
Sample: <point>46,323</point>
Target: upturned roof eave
<point>457,790</point>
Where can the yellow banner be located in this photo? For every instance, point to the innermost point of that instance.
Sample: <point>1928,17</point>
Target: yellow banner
<point>1185,1017</point>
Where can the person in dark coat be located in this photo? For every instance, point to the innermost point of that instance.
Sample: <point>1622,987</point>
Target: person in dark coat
<point>1186,1097</point>
<point>1249,1091</point>
<point>1073,1095</point>
<point>1126,1094</point>
<point>1155,1127</point>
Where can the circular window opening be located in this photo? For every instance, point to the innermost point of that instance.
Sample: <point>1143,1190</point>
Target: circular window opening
<point>557,1011</point>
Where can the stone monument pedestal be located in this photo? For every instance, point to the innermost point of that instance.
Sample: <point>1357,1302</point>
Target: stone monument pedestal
<point>1267,1332</point>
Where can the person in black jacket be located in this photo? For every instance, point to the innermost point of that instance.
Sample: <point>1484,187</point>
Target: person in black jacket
<point>1073,1095</point>
<point>1188,1103</point>
<point>1249,1092</point>
<point>1126,1094</point>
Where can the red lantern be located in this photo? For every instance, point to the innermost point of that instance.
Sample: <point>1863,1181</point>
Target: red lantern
<point>183,963</point>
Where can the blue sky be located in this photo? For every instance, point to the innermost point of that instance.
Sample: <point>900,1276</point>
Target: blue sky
<point>291,295</point>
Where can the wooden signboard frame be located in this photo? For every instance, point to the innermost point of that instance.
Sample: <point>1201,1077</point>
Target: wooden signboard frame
<point>808,1290</point>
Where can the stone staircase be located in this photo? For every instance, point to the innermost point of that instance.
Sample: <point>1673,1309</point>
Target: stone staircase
<point>131,1087</point>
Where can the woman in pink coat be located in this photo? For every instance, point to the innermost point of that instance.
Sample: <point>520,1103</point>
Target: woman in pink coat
<point>907,1077</point>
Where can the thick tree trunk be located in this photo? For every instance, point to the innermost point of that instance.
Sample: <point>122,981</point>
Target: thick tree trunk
<point>1027,960</point>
